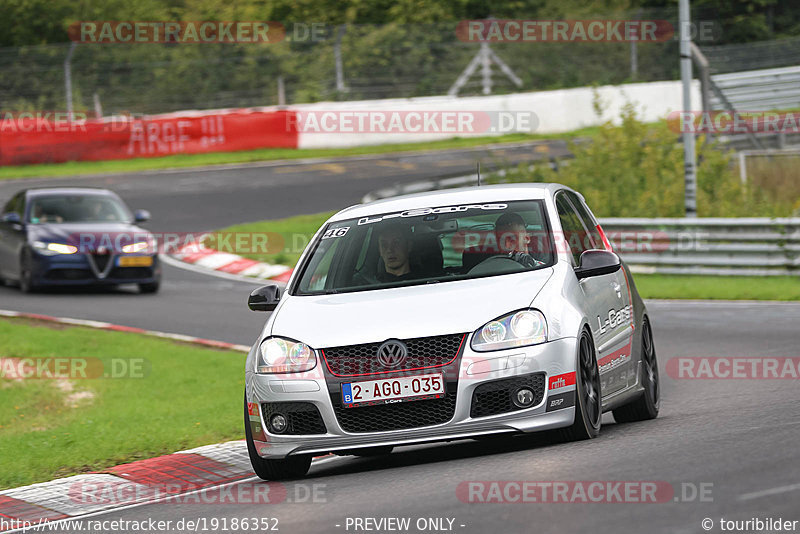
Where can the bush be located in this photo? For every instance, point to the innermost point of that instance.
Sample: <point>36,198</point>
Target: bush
<point>634,169</point>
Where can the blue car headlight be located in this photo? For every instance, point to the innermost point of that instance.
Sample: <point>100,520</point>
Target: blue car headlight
<point>51,249</point>
<point>517,329</point>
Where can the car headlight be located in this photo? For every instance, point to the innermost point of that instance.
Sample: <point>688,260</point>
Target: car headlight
<point>51,249</point>
<point>135,247</point>
<point>518,329</point>
<point>280,355</point>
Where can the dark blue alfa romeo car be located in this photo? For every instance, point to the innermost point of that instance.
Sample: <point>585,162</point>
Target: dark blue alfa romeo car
<point>75,236</point>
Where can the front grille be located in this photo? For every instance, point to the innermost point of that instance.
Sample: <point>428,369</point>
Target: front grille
<point>401,416</point>
<point>68,274</point>
<point>303,417</point>
<point>494,397</point>
<point>423,352</point>
<point>101,260</point>
<point>128,273</point>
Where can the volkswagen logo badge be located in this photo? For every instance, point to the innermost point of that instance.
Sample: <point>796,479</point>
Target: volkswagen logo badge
<point>392,353</point>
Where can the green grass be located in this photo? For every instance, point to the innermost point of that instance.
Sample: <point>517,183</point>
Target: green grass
<point>73,168</point>
<point>660,286</point>
<point>293,233</point>
<point>189,396</point>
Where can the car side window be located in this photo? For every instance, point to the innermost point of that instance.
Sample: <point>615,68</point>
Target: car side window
<point>15,205</point>
<point>320,274</point>
<point>575,236</point>
<point>588,220</point>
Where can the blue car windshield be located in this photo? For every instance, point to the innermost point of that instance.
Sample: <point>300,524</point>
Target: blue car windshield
<point>77,209</point>
<point>429,245</point>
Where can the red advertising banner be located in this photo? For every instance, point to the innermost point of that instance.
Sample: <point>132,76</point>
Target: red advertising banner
<point>51,138</point>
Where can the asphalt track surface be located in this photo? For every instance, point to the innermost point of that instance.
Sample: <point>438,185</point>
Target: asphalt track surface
<point>736,438</point>
<point>197,200</point>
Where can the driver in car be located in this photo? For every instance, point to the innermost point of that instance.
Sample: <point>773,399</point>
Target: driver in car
<point>100,211</point>
<point>513,239</point>
<point>394,246</point>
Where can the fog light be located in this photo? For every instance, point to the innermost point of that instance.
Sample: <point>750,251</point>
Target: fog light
<point>523,398</point>
<point>278,424</point>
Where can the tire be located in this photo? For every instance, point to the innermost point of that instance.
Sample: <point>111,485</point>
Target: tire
<point>288,468</point>
<point>588,402</point>
<point>26,282</point>
<point>647,404</point>
<point>148,289</point>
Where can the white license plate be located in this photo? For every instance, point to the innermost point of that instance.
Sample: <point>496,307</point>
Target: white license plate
<point>391,390</point>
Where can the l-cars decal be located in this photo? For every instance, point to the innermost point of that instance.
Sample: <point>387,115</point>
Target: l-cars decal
<point>418,212</point>
<point>615,318</point>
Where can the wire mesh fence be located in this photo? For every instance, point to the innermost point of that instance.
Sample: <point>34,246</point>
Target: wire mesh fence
<point>377,61</point>
<point>753,56</point>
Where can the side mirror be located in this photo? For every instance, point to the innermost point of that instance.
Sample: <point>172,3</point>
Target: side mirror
<point>265,298</point>
<point>141,216</point>
<point>12,218</point>
<point>597,262</point>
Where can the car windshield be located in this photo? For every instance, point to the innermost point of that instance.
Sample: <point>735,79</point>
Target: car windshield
<point>77,208</point>
<point>428,245</point>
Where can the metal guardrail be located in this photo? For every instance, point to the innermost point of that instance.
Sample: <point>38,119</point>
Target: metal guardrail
<point>712,246</point>
<point>750,91</point>
<point>708,246</point>
<point>759,89</point>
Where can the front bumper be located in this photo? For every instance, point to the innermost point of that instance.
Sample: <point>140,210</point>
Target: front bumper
<point>78,270</point>
<point>552,359</point>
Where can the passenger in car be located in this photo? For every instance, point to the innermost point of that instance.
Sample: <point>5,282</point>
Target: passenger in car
<point>41,216</point>
<point>394,247</point>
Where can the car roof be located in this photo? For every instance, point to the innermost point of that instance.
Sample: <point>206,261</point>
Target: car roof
<point>448,197</point>
<point>54,191</point>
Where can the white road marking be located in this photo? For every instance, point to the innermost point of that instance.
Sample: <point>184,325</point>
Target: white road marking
<point>52,524</point>
<point>768,492</point>
<point>219,274</point>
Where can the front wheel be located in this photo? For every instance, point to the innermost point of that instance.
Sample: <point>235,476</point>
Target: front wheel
<point>588,407</point>
<point>287,468</point>
<point>26,281</point>
<point>647,404</point>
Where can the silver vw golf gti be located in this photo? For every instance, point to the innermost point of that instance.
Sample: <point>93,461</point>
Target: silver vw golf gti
<point>447,315</point>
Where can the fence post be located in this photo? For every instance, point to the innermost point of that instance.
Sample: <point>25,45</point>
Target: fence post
<point>337,55</point>
<point>705,78</point>
<point>68,79</point>
<point>689,158</point>
<point>98,108</point>
<point>281,92</point>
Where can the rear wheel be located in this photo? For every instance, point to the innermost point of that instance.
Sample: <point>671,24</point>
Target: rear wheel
<point>287,468</point>
<point>26,282</point>
<point>588,407</point>
<point>645,406</point>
